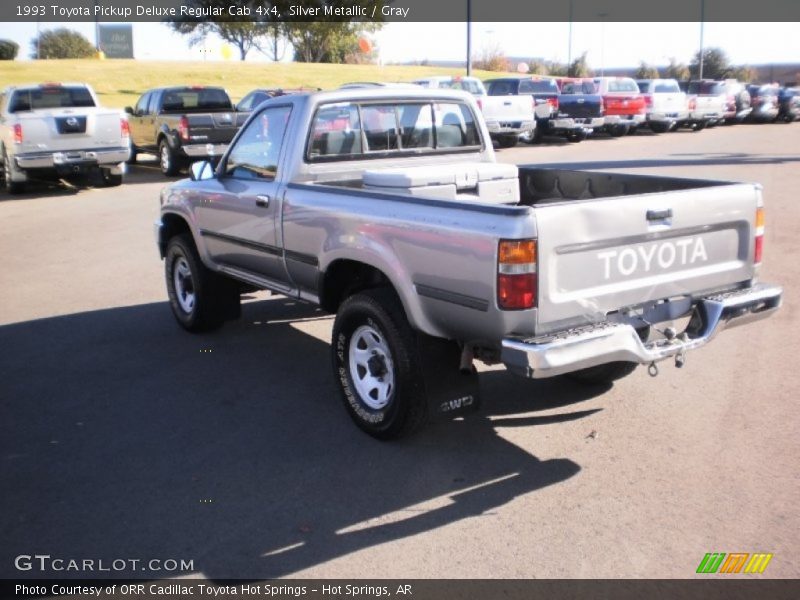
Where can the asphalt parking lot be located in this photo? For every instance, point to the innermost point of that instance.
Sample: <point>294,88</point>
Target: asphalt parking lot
<point>125,437</point>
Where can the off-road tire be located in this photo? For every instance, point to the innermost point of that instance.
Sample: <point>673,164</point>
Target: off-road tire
<point>168,162</point>
<point>377,316</point>
<point>214,298</point>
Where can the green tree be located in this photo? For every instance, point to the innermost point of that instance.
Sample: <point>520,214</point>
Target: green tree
<point>61,43</point>
<point>326,41</point>
<point>676,70</point>
<point>314,39</point>
<point>715,64</point>
<point>557,69</point>
<point>741,73</point>
<point>492,58</point>
<point>538,67</point>
<point>646,71</point>
<point>8,50</point>
<point>245,35</point>
<point>579,67</point>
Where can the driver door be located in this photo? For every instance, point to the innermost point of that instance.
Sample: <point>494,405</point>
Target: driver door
<point>240,223</point>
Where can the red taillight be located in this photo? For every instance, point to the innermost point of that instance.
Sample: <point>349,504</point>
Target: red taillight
<point>648,100</point>
<point>479,103</point>
<point>553,102</point>
<point>124,128</point>
<point>692,103</point>
<point>516,274</point>
<point>759,245</point>
<point>17,133</point>
<point>183,128</point>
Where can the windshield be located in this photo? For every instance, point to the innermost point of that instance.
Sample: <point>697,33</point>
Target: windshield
<point>50,97</point>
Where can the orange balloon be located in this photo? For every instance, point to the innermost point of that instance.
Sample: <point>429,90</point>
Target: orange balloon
<point>364,45</point>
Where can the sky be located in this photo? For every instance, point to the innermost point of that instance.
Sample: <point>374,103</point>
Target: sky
<point>609,45</point>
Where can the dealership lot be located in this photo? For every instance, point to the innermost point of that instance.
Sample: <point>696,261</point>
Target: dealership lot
<point>126,438</point>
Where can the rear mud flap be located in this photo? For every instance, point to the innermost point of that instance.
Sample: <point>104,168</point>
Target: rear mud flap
<point>450,392</point>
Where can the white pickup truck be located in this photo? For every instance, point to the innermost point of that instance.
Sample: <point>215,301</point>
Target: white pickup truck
<point>56,130</point>
<point>509,117</point>
<point>665,104</point>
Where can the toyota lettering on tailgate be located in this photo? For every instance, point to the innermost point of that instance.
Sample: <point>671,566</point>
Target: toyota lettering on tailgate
<point>644,257</point>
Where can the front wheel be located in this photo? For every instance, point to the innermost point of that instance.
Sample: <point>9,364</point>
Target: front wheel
<point>376,365</point>
<point>200,299</point>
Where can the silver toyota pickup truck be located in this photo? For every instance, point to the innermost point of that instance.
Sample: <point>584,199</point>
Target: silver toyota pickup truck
<point>387,208</point>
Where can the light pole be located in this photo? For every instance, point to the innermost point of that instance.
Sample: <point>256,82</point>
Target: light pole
<point>469,38</point>
<point>602,16</point>
<point>702,28</point>
<point>569,42</point>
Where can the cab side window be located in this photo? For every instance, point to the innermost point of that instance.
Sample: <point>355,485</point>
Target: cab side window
<point>141,105</point>
<point>257,150</point>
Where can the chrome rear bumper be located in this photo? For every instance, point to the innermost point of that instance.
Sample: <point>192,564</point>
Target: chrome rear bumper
<point>610,342</point>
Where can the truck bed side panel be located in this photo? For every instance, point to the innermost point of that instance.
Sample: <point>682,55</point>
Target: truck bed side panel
<point>439,255</point>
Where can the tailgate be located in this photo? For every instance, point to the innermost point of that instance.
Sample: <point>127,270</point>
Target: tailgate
<point>214,128</point>
<point>669,103</point>
<point>581,106</point>
<point>602,255</point>
<point>624,104</point>
<point>507,108</point>
<point>60,131</point>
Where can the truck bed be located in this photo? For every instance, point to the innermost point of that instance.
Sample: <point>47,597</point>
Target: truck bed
<point>545,186</point>
<point>540,186</point>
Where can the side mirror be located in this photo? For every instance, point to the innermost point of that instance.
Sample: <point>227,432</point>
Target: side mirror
<point>129,110</point>
<point>201,170</point>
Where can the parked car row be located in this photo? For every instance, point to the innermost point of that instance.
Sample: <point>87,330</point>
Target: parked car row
<point>574,108</point>
<point>56,130</point>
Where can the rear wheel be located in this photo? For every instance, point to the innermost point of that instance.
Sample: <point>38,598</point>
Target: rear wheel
<point>618,130</point>
<point>376,365</point>
<point>167,160</point>
<point>699,126</point>
<point>659,127</point>
<point>11,186</point>
<point>576,136</point>
<point>200,299</point>
<point>507,141</point>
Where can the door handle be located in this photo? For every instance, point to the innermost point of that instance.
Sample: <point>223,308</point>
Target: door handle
<point>262,201</point>
<point>659,215</point>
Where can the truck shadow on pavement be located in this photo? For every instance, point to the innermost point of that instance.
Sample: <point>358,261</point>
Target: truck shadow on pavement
<point>125,437</point>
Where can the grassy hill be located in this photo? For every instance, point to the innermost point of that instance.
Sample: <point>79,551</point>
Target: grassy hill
<point>120,82</point>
